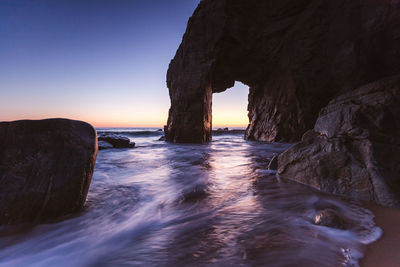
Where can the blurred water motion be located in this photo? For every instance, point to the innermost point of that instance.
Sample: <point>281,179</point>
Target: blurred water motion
<point>163,204</point>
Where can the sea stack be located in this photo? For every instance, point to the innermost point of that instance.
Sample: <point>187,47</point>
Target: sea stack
<point>45,168</point>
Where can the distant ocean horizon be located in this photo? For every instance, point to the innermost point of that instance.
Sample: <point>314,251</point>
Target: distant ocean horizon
<point>214,128</point>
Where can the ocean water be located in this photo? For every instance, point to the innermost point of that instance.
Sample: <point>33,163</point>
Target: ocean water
<point>163,204</point>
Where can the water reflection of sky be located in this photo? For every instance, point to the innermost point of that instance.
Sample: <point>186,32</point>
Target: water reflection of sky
<point>174,205</point>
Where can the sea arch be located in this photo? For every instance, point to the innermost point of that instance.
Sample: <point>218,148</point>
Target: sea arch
<point>294,55</point>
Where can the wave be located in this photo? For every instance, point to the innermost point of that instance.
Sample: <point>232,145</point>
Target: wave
<point>228,132</point>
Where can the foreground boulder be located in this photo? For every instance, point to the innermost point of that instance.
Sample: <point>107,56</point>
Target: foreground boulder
<point>354,149</point>
<point>114,141</point>
<point>45,168</point>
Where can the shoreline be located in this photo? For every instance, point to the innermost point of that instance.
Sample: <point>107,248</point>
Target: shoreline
<point>386,250</point>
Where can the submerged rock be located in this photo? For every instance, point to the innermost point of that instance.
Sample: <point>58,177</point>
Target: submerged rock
<point>332,218</point>
<point>354,149</point>
<point>104,145</point>
<point>193,194</point>
<point>45,168</point>
<point>294,55</point>
<point>116,141</point>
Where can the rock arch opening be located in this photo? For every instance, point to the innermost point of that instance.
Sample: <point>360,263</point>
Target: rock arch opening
<point>229,108</point>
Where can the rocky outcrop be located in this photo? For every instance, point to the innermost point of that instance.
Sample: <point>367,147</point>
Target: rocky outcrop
<point>294,55</point>
<point>45,168</point>
<point>104,145</point>
<point>114,141</point>
<point>354,149</point>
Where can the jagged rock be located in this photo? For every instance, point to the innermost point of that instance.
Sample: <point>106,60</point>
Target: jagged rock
<point>222,129</point>
<point>45,168</point>
<point>294,55</point>
<point>332,218</point>
<point>104,145</point>
<point>354,149</point>
<point>116,141</point>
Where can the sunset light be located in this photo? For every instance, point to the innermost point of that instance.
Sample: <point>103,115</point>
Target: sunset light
<point>199,133</point>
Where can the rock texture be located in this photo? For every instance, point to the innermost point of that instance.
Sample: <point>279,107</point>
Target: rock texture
<point>45,168</point>
<point>354,149</point>
<point>104,145</point>
<point>294,55</point>
<point>116,141</point>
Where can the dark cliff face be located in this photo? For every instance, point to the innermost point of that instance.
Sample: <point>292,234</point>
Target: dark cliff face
<point>354,149</point>
<point>294,55</point>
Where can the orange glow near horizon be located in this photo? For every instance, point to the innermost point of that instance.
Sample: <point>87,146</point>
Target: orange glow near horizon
<point>220,119</point>
<point>229,110</point>
<point>226,118</point>
<point>128,124</point>
<point>105,122</point>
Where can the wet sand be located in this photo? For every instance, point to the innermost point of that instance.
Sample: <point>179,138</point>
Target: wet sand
<point>386,251</point>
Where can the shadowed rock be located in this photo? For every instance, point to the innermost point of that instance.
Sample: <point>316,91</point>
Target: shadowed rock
<point>104,145</point>
<point>354,149</point>
<point>332,218</point>
<point>294,55</point>
<point>193,194</point>
<point>45,168</point>
<point>273,164</point>
<point>116,141</point>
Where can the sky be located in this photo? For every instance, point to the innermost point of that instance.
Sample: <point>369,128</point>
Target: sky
<point>100,61</point>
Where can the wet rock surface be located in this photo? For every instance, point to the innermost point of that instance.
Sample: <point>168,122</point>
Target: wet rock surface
<point>45,168</point>
<point>294,55</point>
<point>104,145</point>
<point>331,218</point>
<point>354,149</point>
<point>116,141</point>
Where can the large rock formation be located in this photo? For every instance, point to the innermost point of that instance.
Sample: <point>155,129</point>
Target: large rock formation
<point>354,149</point>
<point>45,168</point>
<point>295,56</point>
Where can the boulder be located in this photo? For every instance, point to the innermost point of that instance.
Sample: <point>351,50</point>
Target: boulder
<point>45,168</point>
<point>295,56</point>
<point>116,141</point>
<point>354,148</point>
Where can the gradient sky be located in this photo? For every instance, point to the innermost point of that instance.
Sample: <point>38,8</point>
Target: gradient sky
<point>101,61</point>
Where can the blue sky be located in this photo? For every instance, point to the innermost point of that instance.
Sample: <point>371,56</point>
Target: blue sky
<point>102,61</point>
